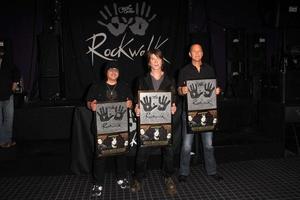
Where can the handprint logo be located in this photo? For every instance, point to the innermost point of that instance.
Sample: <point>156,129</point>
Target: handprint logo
<point>163,103</point>
<point>103,114</point>
<point>208,89</point>
<point>194,91</point>
<point>115,26</point>
<point>147,104</point>
<point>142,19</point>
<point>119,112</point>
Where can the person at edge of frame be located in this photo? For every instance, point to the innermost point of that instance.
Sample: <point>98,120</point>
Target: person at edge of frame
<point>9,78</point>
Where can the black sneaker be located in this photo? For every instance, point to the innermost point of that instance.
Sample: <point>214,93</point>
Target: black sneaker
<point>182,178</point>
<point>136,186</point>
<point>97,190</point>
<point>123,183</point>
<point>217,177</point>
<point>170,185</point>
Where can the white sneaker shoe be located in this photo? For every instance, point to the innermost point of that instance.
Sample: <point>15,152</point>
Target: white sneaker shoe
<point>123,183</point>
<point>97,190</point>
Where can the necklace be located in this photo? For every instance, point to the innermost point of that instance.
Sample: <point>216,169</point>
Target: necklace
<point>111,93</point>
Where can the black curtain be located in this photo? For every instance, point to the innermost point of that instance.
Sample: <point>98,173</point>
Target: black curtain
<point>95,32</point>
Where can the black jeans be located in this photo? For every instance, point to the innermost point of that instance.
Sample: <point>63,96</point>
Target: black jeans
<point>99,168</point>
<point>143,153</point>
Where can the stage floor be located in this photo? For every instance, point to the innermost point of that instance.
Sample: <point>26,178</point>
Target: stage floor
<point>277,178</point>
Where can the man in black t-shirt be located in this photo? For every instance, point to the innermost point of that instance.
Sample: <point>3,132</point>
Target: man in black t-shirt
<point>109,90</point>
<point>194,71</point>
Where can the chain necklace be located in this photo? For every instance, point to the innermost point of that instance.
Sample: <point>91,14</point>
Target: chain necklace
<point>111,93</point>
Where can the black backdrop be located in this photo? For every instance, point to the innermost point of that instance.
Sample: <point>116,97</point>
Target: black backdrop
<point>98,31</point>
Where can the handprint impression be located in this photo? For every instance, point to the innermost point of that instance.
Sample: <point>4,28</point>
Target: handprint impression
<point>194,91</point>
<point>142,20</point>
<point>163,103</point>
<point>103,114</point>
<point>119,112</point>
<point>208,90</point>
<point>147,104</point>
<point>115,27</point>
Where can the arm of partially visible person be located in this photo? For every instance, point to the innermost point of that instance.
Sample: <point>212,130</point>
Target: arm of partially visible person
<point>174,97</point>
<point>137,110</point>
<point>218,90</point>
<point>182,90</point>
<point>129,97</point>
<point>92,105</point>
<point>15,78</point>
<point>129,103</point>
<point>91,101</point>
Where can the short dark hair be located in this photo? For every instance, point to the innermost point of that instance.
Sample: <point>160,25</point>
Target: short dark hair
<point>111,64</point>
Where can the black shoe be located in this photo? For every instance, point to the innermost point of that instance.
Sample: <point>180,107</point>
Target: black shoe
<point>217,177</point>
<point>182,178</point>
<point>136,186</point>
<point>170,185</point>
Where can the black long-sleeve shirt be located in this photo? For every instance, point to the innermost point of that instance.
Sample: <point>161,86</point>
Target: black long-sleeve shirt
<point>9,74</point>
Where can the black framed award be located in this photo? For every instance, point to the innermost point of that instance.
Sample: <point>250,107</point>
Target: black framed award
<point>201,105</point>
<point>155,124</point>
<point>112,128</point>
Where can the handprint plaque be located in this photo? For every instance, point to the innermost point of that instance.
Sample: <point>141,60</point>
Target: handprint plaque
<point>155,118</point>
<point>155,107</point>
<point>202,95</point>
<point>111,117</point>
<point>201,105</point>
<point>112,128</point>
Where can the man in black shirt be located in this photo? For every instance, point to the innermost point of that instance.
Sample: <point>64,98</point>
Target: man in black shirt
<point>194,71</point>
<point>109,90</point>
<point>9,76</point>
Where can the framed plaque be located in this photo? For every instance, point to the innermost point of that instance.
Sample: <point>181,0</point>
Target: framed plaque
<point>201,105</point>
<point>112,128</point>
<point>155,118</point>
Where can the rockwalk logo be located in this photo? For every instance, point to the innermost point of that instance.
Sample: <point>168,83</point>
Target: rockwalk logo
<point>118,20</point>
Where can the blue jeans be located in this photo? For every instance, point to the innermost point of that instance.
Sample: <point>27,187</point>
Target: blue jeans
<point>6,120</point>
<point>208,150</point>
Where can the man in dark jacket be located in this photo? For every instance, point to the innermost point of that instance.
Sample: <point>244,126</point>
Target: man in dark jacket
<point>155,80</point>
<point>9,76</point>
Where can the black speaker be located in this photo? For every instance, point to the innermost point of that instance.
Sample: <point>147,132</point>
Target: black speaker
<point>48,55</point>
<point>289,14</point>
<point>257,59</point>
<point>292,85</point>
<point>49,88</point>
<point>236,71</point>
<point>49,79</point>
<point>235,45</point>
